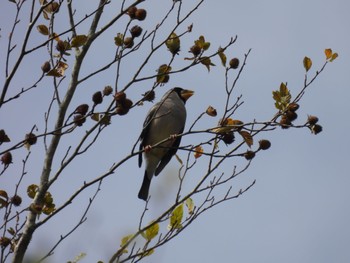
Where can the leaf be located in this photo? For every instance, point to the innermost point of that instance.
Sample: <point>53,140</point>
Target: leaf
<point>248,138</point>
<point>201,43</point>
<point>198,152</point>
<point>43,30</point>
<point>151,232</point>
<point>176,217</point>
<point>334,56</point>
<point>173,43</point>
<point>328,52</point>
<point>282,97</point>
<point>59,70</point>
<point>31,190</point>
<point>95,117</point>
<point>78,41</point>
<point>147,253</point>
<point>179,159</point>
<point>190,205</point>
<point>307,63</point>
<point>119,40</point>
<point>162,76</point>
<point>3,137</point>
<point>222,56</point>
<point>124,241</point>
<point>4,195</point>
<point>206,61</point>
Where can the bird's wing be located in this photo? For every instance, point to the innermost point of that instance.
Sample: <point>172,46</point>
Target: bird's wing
<point>170,153</point>
<point>145,129</point>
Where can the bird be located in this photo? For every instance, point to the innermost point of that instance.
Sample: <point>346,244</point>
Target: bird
<point>165,119</point>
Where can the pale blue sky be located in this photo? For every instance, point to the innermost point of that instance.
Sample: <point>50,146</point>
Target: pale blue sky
<point>298,211</point>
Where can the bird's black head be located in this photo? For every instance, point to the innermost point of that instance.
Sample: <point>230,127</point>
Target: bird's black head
<point>183,94</point>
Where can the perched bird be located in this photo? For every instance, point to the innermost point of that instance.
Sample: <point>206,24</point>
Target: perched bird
<point>165,118</point>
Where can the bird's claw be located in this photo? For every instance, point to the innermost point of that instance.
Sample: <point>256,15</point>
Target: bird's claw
<point>148,148</point>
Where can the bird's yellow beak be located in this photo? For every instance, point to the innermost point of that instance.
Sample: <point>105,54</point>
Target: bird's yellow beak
<point>186,94</point>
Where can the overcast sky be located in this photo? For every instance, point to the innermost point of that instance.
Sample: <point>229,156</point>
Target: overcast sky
<point>298,210</point>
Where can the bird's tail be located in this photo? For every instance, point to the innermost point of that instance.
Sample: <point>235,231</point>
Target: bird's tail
<point>143,193</point>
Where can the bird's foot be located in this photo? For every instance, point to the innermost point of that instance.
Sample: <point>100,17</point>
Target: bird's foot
<point>148,148</point>
<point>173,137</point>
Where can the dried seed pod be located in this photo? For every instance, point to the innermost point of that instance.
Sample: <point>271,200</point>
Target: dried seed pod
<point>128,42</point>
<point>16,200</point>
<point>140,14</point>
<point>291,115</point>
<point>234,63</point>
<point>107,91</point>
<point>149,95</point>
<point>30,139</point>
<point>228,138</point>
<point>249,155</point>
<point>46,67</point>
<point>127,104</point>
<point>120,97</point>
<point>211,111</point>
<point>120,110</point>
<point>312,120</point>
<point>136,31</point>
<point>293,106</point>
<point>316,129</point>
<point>97,97</point>
<point>285,122</point>
<point>6,158</point>
<point>264,144</point>
<point>79,120</point>
<point>82,109</point>
<point>132,11</point>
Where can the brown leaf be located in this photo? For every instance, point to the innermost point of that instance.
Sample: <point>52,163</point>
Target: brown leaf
<point>248,138</point>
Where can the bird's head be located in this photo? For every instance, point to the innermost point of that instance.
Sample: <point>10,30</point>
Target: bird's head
<point>184,94</point>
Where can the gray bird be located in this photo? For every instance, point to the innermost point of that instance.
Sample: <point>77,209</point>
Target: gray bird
<point>164,119</point>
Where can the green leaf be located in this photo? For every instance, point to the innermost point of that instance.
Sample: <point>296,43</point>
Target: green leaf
<point>307,63</point>
<point>151,232</point>
<point>282,97</point>
<point>176,217</point>
<point>78,41</point>
<point>222,56</point>
<point>173,43</point>
<point>119,40</point>
<point>31,190</point>
<point>206,61</point>
<point>162,76</point>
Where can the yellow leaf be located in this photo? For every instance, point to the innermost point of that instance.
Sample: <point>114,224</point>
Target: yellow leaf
<point>148,253</point>
<point>328,52</point>
<point>124,241</point>
<point>151,232</point>
<point>247,137</point>
<point>43,30</point>
<point>334,56</point>
<point>190,205</point>
<point>307,63</point>
<point>198,152</point>
<point>176,217</point>
<point>95,117</point>
<point>78,41</point>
